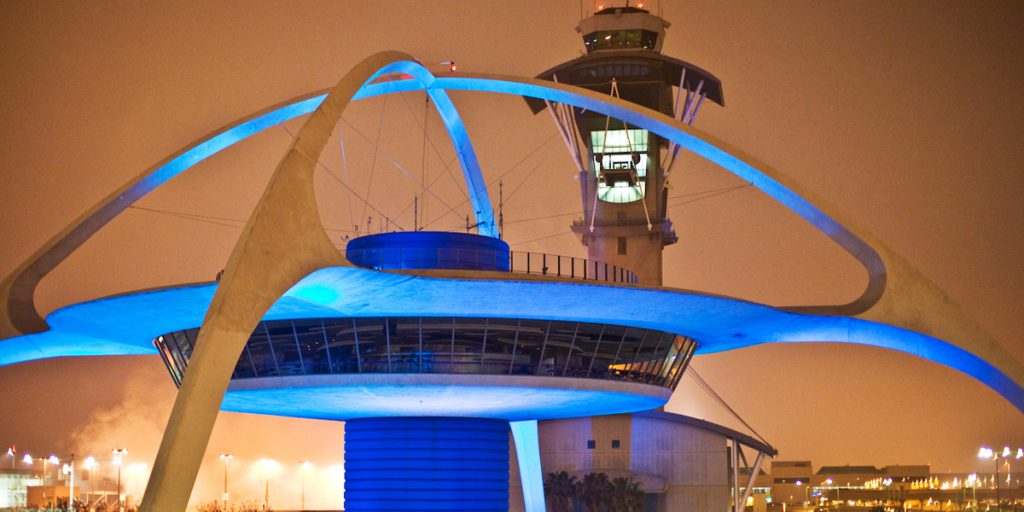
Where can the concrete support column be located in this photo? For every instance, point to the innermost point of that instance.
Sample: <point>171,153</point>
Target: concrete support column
<point>426,464</point>
<point>531,475</point>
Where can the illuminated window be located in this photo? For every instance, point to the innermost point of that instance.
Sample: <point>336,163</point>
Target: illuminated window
<point>620,164</point>
<point>614,39</point>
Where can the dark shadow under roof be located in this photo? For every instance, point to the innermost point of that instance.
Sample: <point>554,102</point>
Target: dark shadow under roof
<point>672,71</point>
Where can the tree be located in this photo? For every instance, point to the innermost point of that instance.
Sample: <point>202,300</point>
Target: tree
<point>595,491</point>
<point>626,495</point>
<point>560,489</point>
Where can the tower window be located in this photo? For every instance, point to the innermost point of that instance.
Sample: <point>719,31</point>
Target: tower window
<point>616,444</point>
<point>591,444</point>
<point>622,245</point>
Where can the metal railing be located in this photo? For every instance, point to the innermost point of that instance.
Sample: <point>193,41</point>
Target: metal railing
<point>520,262</point>
<point>568,266</point>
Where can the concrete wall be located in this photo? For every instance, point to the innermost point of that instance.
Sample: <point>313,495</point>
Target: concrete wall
<point>686,465</point>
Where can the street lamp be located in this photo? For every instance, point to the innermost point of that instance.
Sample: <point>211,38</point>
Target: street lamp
<point>12,451</point>
<point>988,453</point>
<point>91,465</point>
<point>225,457</point>
<point>305,466</point>
<point>119,454</point>
<point>269,466</point>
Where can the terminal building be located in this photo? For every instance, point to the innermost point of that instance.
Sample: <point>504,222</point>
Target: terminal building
<point>434,347</point>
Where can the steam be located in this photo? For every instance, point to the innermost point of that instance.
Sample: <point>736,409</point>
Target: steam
<point>137,422</point>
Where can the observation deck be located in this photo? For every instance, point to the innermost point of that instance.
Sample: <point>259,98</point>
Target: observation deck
<point>448,365</point>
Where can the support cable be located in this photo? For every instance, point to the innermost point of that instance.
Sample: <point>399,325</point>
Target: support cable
<point>376,150</point>
<point>692,372</point>
<point>705,195</point>
<point>344,164</point>
<point>502,175</point>
<point>394,163</point>
<point>437,152</point>
<point>366,203</point>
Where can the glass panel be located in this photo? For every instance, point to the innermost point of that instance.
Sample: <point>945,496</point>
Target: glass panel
<point>262,357</point>
<point>341,341</point>
<point>311,346</point>
<point>437,345</point>
<point>373,349</point>
<point>285,349</point>
<point>405,345</point>
<point>585,348</point>
<point>501,337</point>
<point>469,341</point>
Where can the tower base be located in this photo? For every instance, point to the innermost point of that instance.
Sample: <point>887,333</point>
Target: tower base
<point>426,464</point>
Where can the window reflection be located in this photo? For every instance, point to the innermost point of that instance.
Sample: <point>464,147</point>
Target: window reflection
<point>495,346</point>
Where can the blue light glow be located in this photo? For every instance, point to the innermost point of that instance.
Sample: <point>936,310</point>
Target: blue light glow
<point>127,324</point>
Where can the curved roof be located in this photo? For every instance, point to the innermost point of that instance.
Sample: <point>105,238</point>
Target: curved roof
<point>671,71</point>
<point>127,324</point>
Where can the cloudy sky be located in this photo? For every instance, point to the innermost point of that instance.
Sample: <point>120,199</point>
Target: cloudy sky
<point>905,115</point>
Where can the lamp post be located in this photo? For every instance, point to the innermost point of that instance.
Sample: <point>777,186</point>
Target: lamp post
<point>91,465</point>
<point>52,459</point>
<point>118,454</point>
<point>12,452</point>
<point>225,457</point>
<point>305,467</point>
<point>1006,454</point>
<point>69,470</point>
<point>268,466</point>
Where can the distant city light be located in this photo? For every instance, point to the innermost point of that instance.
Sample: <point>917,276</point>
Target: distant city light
<point>27,459</point>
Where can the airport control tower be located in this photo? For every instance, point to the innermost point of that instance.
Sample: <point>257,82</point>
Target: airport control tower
<point>624,171</point>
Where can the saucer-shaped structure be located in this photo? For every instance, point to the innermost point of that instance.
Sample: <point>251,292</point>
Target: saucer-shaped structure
<point>294,327</point>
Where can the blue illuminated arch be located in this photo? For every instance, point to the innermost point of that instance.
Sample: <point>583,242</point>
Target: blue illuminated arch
<point>969,349</point>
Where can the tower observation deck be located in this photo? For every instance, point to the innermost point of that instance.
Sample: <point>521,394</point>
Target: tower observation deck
<point>624,171</point>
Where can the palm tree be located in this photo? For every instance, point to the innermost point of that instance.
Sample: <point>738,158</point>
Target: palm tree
<point>627,495</point>
<point>595,492</point>
<point>560,488</point>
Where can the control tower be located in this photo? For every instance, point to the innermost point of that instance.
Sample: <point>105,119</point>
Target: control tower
<point>624,171</point>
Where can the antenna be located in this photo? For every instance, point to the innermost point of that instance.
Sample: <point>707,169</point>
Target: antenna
<point>416,213</point>
<point>501,209</point>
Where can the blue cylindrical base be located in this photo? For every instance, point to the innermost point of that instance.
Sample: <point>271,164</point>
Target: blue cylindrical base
<point>426,464</point>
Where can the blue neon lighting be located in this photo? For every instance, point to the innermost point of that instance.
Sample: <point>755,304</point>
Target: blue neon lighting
<point>129,330</point>
<point>127,324</point>
<point>426,464</point>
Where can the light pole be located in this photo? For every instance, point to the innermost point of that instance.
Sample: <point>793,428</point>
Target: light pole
<point>12,451</point>
<point>119,454</point>
<point>91,465</point>
<point>225,457</point>
<point>269,466</point>
<point>305,467</point>
<point>1006,454</point>
<point>52,459</point>
<point>69,470</point>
